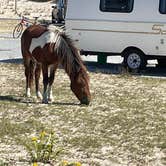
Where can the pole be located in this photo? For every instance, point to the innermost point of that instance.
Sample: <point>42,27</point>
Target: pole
<point>15,6</point>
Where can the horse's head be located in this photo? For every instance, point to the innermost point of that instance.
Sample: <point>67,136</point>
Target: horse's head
<point>70,59</point>
<point>80,87</point>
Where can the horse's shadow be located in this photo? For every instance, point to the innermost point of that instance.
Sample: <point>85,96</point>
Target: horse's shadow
<point>24,100</point>
<point>10,98</point>
<point>65,104</point>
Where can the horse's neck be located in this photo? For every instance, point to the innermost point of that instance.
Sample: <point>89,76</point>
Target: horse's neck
<point>69,57</point>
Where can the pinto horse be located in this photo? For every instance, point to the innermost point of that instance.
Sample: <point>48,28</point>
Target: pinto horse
<point>43,49</point>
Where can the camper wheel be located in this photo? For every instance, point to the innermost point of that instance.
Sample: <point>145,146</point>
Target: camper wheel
<point>134,59</point>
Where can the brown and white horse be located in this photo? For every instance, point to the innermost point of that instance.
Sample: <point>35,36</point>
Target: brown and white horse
<point>44,49</point>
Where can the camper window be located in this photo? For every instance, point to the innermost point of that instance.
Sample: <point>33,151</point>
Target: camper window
<point>124,6</point>
<point>162,6</point>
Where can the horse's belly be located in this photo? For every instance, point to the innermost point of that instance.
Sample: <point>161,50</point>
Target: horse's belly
<point>44,55</point>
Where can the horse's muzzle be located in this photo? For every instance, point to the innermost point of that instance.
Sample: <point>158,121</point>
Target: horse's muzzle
<point>85,101</point>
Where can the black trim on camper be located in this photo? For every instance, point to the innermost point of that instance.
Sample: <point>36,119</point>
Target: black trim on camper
<point>162,6</point>
<point>82,52</point>
<point>121,6</point>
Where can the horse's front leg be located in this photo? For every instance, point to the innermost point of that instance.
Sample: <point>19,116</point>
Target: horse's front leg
<point>51,80</point>
<point>37,77</point>
<point>45,83</point>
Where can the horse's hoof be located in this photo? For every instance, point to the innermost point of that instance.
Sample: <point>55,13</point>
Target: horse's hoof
<point>50,100</point>
<point>45,101</point>
<point>28,96</point>
<point>39,96</point>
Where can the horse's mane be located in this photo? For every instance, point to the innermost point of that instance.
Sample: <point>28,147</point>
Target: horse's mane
<point>68,54</point>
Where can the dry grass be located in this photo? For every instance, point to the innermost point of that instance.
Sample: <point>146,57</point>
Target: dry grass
<point>125,124</point>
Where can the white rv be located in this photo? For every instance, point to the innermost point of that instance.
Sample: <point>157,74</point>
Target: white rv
<point>135,29</point>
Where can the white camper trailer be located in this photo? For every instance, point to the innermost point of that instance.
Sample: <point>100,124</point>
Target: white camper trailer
<point>135,29</point>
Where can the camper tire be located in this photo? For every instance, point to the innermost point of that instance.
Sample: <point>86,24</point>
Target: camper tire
<point>134,60</point>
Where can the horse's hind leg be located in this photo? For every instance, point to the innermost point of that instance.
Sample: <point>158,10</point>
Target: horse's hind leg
<point>51,80</point>
<point>37,77</point>
<point>29,72</point>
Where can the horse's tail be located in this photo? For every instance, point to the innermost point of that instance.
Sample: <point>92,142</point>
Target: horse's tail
<point>25,46</point>
<point>22,44</point>
<point>69,54</point>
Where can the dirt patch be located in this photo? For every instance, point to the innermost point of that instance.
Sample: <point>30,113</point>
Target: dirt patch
<point>123,126</point>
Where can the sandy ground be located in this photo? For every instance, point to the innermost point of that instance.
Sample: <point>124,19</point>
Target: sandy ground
<point>123,126</point>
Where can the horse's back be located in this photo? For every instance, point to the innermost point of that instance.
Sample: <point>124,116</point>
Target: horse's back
<point>33,31</point>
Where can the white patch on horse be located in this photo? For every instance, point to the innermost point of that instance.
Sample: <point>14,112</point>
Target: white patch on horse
<point>41,41</point>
